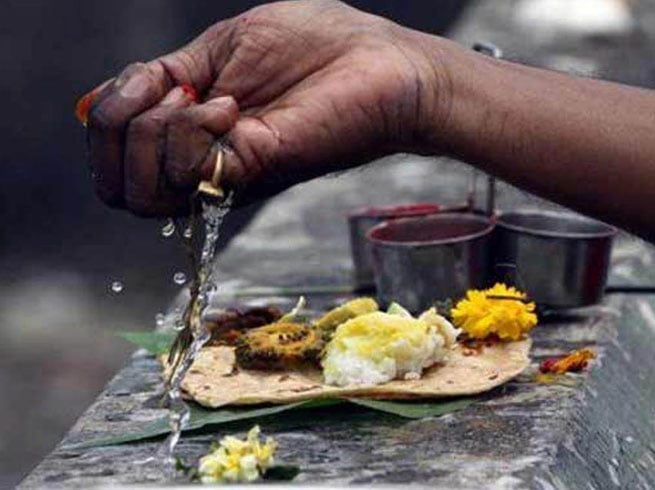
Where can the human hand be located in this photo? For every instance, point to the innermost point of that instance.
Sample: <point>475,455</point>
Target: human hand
<point>299,89</point>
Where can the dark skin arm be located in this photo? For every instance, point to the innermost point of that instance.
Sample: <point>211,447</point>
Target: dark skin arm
<point>586,144</point>
<point>304,88</point>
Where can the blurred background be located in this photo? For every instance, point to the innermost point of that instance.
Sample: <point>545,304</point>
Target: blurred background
<point>61,249</point>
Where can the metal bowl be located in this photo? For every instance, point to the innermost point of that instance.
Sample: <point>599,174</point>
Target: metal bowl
<point>561,259</point>
<point>362,220</point>
<point>417,261</point>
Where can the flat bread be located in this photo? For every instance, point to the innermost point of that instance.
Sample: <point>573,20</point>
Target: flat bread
<point>214,380</point>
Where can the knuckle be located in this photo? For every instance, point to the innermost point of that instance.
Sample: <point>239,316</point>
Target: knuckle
<point>103,119</point>
<point>173,166</point>
<point>258,145</point>
<point>254,13</point>
<point>179,119</point>
<point>181,148</point>
<point>180,65</point>
<point>176,173</point>
<point>143,127</point>
<point>136,68</point>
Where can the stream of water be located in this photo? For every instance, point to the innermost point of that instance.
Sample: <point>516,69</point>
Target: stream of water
<point>212,216</point>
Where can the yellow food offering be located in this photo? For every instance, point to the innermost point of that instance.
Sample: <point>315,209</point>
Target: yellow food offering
<point>494,311</point>
<point>443,326</point>
<point>352,309</point>
<point>378,347</point>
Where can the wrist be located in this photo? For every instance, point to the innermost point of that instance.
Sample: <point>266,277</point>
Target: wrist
<point>455,113</point>
<point>437,95</point>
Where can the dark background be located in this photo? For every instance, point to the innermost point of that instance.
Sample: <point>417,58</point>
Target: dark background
<point>60,248</point>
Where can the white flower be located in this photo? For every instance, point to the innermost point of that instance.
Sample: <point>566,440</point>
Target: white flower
<point>236,460</point>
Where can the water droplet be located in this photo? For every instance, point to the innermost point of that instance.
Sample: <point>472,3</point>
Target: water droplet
<point>160,319</point>
<point>168,229</point>
<point>179,324</point>
<point>179,278</point>
<point>116,286</point>
<point>188,232</point>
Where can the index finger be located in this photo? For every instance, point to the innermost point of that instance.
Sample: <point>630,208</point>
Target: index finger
<point>139,87</point>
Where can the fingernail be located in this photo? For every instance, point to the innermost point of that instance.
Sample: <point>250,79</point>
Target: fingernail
<point>83,105</point>
<point>224,102</point>
<point>175,96</point>
<point>190,92</point>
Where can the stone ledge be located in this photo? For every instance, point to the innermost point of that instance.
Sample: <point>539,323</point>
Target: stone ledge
<point>524,435</point>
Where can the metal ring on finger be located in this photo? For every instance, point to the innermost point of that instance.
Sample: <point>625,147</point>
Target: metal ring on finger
<point>212,188</point>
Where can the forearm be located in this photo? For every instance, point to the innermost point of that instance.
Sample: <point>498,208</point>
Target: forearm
<point>587,144</point>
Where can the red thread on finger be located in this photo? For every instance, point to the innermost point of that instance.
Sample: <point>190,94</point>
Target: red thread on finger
<point>190,92</point>
<point>84,104</point>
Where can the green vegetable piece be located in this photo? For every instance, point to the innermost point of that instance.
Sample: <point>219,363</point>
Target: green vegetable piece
<point>396,309</point>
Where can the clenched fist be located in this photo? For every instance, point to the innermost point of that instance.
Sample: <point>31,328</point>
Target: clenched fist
<point>297,89</point>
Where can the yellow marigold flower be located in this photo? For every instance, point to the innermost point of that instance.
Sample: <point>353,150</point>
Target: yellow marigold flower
<point>480,315</point>
<point>238,461</point>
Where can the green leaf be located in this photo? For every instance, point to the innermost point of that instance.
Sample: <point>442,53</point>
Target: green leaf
<point>191,472</point>
<point>201,417</point>
<point>412,410</point>
<point>281,472</point>
<point>156,343</point>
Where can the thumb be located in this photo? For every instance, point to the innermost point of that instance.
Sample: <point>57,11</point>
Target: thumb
<point>262,159</point>
<point>270,152</point>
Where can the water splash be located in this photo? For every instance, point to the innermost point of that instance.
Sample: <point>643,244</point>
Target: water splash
<point>160,320</point>
<point>179,278</point>
<point>213,216</point>
<point>117,287</point>
<point>179,325</point>
<point>168,229</point>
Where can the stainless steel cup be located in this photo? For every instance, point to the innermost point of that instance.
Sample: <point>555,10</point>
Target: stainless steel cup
<point>418,261</point>
<point>362,220</point>
<point>561,259</point>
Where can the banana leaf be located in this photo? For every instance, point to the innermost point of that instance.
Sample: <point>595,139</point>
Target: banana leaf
<point>202,417</point>
<point>156,343</point>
